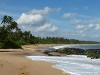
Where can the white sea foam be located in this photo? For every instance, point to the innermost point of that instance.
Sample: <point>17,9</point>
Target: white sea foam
<point>73,64</point>
<point>58,47</point>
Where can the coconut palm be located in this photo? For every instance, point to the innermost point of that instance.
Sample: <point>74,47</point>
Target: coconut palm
<point>4,19</point>
<point>7,19</point>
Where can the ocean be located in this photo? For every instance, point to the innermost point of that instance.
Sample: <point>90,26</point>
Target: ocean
<point>81,46</point>
<point>73,64</point>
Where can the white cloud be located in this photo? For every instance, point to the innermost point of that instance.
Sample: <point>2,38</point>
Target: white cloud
<point>76,21</point>
<point>83,35</point>
<point>44,27</point>
<point>47,27</point>
<point>95,20</point>
<point>80,31</point>
<point>94,26</point>
<point>78,34</point>
<point>97,26</point>
<point>69,15</point>
<point>36,21</point>
<point>80,27</point>
<point>53,28</point>
<point>89,26</point>
<point>95,36</point>
<point>30,19</point>
<point>44,11</point>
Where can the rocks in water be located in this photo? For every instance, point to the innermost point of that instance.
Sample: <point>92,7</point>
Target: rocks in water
<point>92,53</point>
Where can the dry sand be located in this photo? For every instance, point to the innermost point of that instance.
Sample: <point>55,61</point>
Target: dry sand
<point>15,63</point>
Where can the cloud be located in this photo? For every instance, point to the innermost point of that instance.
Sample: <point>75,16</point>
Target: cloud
<point>30,19</point>
<point>53,28</point>
<point>47,27</point>
<point>82,35</point>
<point>80,31</point>
<point>44,11</point>
<point>78,34</point>
<point>97,26</point>
<point>89,26</point>
<point>69,15</point>
<point>76,21</point>
<point>44,27</point>
<point>36,21</point>
<point>95,36</point>
<point>80,27</point>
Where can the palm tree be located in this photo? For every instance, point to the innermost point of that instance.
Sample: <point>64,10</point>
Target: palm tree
<point>14,25</point>
<point>3,33</point>
<point>4,19</point>
<point>7,20</point>
<point>11,25</point>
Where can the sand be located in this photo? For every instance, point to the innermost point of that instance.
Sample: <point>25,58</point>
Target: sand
<point>14,62</point>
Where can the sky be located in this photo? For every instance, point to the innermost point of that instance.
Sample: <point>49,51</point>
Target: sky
<point>75,19</point>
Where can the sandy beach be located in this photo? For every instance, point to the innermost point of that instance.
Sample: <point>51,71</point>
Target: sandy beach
<point>14,62</point>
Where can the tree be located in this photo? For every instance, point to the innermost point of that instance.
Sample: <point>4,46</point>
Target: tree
<point>3,33</point>
<point>4,20</point>
<point>8,22</point>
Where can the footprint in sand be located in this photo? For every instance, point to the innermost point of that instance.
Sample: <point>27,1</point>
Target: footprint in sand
<point>24,73</point>
<point>2,63</point>
<point>23,70</point>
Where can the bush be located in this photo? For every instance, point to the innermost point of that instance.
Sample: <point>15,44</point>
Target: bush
<point>93,53</point>
<point>1,44</point>
<point>9,44</point>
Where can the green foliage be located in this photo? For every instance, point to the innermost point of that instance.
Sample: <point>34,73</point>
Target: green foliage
<point>3,33</point>
<point>9,44</point>
<point>11,36</point>
<point>93,53</point>
<point>1,44</point>
<point>61,40</point>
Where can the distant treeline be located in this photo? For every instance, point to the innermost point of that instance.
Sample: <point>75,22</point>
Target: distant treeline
<point>61,40</point>
<point>11,36</point>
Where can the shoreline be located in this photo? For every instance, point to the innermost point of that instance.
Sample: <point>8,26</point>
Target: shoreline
<point>15,63</point>
<point>78,65</point>
<point>53,66</point>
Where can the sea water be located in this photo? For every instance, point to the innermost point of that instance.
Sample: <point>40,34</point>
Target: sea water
<point>81,46</point>
<point>73,64</point>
